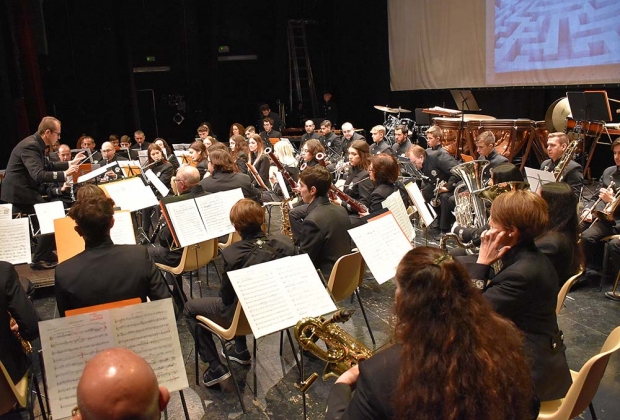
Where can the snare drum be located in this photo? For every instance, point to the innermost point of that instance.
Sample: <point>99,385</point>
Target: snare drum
<point>510,135</point>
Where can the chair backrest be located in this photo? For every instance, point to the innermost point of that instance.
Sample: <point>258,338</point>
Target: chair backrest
<point>238,326</point>
<point>346,276</point>
<point>565,288</point>
<point>199,255</point>
<point>11,393</point>
<point>586,383</point>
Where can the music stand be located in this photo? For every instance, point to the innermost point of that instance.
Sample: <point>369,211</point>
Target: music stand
<point>589,105</point>
<point>465,101</point>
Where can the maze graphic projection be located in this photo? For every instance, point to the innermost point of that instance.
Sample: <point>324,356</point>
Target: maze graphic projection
<point>552,34</point>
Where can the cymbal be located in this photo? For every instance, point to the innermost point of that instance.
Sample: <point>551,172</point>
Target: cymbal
<point>385,108</point>
<point>401,110</point>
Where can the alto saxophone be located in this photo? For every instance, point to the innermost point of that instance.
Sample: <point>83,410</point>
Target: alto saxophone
<point>285,228</point>
<point>342,352</point>
<point>26,346</point>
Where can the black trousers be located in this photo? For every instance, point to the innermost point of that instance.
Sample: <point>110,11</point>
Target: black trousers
<point>44,249</point>
<point>594,248</point>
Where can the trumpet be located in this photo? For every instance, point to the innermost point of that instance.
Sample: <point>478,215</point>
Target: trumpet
<point>438,185</point>
<point>589,211</point>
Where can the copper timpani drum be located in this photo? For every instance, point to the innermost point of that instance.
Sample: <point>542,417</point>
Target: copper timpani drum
<point>540,141</point>
<point>511,136</point>
<point>450,127</point>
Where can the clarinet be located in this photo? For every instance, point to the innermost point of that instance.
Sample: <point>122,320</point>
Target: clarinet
<point>281,168</point>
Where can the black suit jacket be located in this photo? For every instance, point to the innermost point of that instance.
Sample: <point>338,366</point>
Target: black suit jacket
<point>104,273</point>
<point>145,145</point>
<point>572,174</point>
<point>273,134</point>
<point>373,391</point>
<point>379,194</point>
<point>557,247</point>
<point>358,186</point>
<point>525,292</point>
<point>324,235</point>
<point>225,181</point>
<point>14,300</point>
<point>27,170</point>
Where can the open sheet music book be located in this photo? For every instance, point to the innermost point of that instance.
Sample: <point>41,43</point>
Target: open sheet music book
<point>15,241</point>
<point>130,194</point>
<point>148,329</point>
<point>537,177</point>
<point>277,294</point>
<point>195,220</point>
<point>383,244</point>
<point>394,203</point>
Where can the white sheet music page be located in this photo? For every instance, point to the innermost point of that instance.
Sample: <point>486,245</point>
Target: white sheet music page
<point>215,211</point>
<point>68,343</point>
<point>6,211</point>
<point>537,177</point>
<point>395,204</point>
<point>277,294</point>
<point>95,173</point>
<point>382,244</point>
<point>416,196</point>
<point>148,329</point>
<point>131,194</point>
<point>15,241</point>
<point>122,232</point>
<point>186,222</point>
<point>47,213</point>
<point>282,184</point>
<point>154,178</point>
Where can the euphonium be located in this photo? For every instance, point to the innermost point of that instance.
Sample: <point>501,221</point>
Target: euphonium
<point>471,205</point>
<point>343,350</point>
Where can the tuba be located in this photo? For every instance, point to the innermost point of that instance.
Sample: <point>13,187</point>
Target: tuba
<point>470,207</point>
<point>342,352</point>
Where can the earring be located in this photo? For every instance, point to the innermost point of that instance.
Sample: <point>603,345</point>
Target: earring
<point>510,235</point>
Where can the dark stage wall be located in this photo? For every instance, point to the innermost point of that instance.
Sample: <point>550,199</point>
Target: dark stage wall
<point>92,48</point>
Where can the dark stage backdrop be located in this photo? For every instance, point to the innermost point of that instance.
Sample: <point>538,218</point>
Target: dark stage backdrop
<point>97,74</point>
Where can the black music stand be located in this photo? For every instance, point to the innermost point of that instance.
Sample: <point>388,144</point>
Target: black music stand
<point>465,101</point>
<point>589,105</point>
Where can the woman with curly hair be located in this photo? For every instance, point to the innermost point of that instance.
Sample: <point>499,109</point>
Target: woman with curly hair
<point>240,152</point>
<point>454,357</point>
<point>236,129</point>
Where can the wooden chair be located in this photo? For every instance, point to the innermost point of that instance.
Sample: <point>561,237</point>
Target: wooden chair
<point>232,238</point>
<point>565,288</point>
<point>584,387</point>
<point>18,393</point>
<point>194,257</point>
<point>238,327</point>
<point>345,279</point>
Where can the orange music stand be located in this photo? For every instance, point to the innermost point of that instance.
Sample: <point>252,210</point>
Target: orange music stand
<point>103,306</point>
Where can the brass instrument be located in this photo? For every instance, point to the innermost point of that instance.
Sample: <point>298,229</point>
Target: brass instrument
<point>491,192</point>
<point>26,346</point>
<point>285,228</point>
<point>607,214</point>
<point>593,206</point>
<point>443,242</point>
<point>470,210</point>
<point>435,200</point>
<point>567,156</point>
<point>343,350</point>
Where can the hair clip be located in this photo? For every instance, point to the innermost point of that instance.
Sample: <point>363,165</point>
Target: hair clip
<point>442,258</point>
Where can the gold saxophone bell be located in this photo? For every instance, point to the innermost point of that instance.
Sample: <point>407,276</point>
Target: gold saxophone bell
<point>26,346</point>
<point>342,351</point>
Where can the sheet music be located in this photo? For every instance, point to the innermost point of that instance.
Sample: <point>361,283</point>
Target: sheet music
<point>128,163</point>
<point>416,196</point>
<point>95,173</point>
<point>122,232</point>
<point>47,213</point>
<point>537,177</point>
<point>163,190</point>
<point>15,241</point>
<point>382,244</point>
<point>6,211</point>
<point>215,211</point>
<point>282,184</point>
<point>148,329</point>
<point>186,222</point>
<point>131,194</point>
<point>394,203</point>
<point>275,295</point>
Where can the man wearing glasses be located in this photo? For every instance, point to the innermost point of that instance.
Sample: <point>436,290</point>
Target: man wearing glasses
<point>25,173</point>
<point>109,155</point>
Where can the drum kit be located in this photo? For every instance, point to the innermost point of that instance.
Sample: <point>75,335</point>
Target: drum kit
<point>391,122</point>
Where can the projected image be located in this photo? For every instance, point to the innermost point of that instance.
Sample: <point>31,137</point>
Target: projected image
<point>552,34</point>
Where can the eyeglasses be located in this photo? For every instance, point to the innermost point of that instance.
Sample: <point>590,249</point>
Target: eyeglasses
<point>57,133</point>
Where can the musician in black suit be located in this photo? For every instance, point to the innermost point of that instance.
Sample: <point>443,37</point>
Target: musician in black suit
<point>591,237</point>
<point>104,272</point>
<point>323,233</point>
<point>331,142</point>
<point>25,175</point>
<point>485,147</point>
<point>141,143</point>
<point>384,172</point>
<point>348,137</point>
<point>572,173</point>
<point>437,166</point>
<point>525,289</point>
<point>254,248</point>
<point>14,302</point>
<point>310,133</point>
<point>89,143</point>
<point>420,376</point>
<point>401,141</point>
<point>223,177</point>
<point>268,132</point>
<point>379,145</point>
<point>109,155</point>
<point>358,184</point>
<point>265,111</point>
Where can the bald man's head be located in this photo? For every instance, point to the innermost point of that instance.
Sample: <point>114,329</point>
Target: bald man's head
<point>187,178</point>
<point>118,384</point>
<point>347,130</point>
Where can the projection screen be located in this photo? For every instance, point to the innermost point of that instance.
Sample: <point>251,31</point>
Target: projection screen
<point>446,44</point>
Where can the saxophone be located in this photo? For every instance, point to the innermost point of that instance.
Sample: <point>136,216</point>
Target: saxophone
<point>285,228</point>
<point>567,156</point>
<point>26,346</point>
<point>343,350</point>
